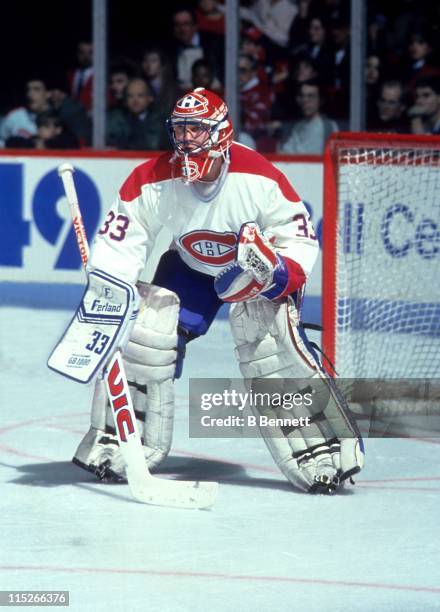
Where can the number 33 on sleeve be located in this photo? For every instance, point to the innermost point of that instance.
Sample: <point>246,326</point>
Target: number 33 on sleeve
<point>117,224</point>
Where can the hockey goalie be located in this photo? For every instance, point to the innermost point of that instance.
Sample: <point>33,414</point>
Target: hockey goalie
<point>241,235</point>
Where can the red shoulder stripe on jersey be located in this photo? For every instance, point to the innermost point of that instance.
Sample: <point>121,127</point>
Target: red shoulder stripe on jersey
<point>151,171</point>
<point>249,161</point>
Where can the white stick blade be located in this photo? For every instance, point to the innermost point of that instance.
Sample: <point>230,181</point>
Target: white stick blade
<point>174,493</point>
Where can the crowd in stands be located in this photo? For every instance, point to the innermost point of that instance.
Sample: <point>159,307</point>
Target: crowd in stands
<point>293,69</point>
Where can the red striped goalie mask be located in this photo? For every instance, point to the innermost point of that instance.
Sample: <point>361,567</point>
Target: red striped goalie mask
<point>200,132</point>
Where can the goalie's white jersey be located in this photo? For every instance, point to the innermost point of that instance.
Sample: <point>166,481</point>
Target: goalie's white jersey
<point>204,219</point>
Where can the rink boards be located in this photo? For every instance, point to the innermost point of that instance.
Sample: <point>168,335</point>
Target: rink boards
<point>37,244</point>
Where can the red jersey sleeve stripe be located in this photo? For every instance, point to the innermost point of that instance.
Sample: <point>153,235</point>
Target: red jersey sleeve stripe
<point>250,162</point>
<point>151,171</point>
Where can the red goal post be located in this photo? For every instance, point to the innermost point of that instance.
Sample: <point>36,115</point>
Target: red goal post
<point>381,255</point>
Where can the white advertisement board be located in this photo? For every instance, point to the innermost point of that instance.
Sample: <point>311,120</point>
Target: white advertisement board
<point>37,244</point>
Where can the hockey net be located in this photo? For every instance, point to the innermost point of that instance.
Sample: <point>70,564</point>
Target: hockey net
<point>381,256</point>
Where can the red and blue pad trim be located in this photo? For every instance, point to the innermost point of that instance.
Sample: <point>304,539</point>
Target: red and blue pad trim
<point>288,276</point>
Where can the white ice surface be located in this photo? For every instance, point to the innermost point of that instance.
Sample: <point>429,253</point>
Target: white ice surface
<point>262,547</point>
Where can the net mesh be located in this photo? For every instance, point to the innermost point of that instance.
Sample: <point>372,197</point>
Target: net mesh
<point>387,262</point>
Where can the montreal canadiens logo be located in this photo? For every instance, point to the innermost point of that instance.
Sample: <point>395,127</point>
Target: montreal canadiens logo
<point>212,248</point>
<point>190,170</point>
<point>191,104</point>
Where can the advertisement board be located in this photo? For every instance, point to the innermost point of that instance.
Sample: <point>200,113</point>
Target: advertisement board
<point>39,262</point>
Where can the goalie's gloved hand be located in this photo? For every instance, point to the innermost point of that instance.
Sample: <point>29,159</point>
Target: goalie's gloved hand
<point>258,269</point>
<point>236,284</point>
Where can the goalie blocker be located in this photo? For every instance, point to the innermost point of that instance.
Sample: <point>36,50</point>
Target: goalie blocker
<point>100,325</point>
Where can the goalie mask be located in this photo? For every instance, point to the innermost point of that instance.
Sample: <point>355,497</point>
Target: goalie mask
<point>200,132</point>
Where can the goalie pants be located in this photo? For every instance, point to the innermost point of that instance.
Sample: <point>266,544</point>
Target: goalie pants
<point>199,302</point>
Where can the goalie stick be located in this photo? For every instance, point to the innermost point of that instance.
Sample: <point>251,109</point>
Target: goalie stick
<point>143,485</point>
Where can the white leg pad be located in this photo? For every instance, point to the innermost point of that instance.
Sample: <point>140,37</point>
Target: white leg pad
<point>149,358</point>
<point>269,346</point>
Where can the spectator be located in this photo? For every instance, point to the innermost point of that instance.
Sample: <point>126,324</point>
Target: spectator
<point>286,107</point>
<point>72,115</point>
<point>22,122</point>
<point>158,72</point>
<point>189,45</point>
<point>305,69</point>
<point>318,47</point>
<point>421,63</point>
<point>80,79</point>
<point>389,116</point>
<point>256,100</point>
<point>405,15</point>
<point>120,74</point>
<point>425,114</point>
<point>309,134</point>
<point>250,45</point>
<point>138,126</point>
<point>203,76</point>
<point>372,70</point>
<point>210,17</point>
<point>273,19</point>
<point>372,89</point>
<point>376,34</point>
<point>51,134</point>
<point>339,90</point>
<point>299,30</point>
<point>305,57</point>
